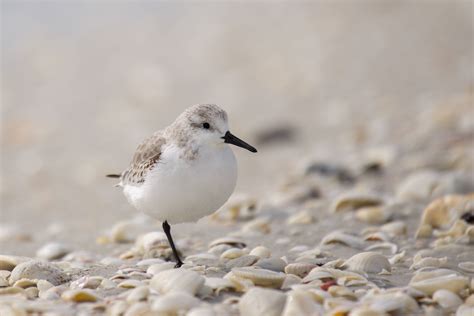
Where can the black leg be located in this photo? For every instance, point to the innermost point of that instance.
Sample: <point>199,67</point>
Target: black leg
<point>167,229</point>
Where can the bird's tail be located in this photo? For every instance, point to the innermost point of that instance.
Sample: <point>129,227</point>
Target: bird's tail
<point>113,175</point>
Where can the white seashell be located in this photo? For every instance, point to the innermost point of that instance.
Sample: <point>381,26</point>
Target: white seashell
<point>10,262</point>
<point>234,242</point>
<point>341,291</point>
<point>31,293</point>
<point>177,280</point>
<point>87,282</point>
<point>157,268</point>
<point>450,282</point>
<point>273,264</point>
<point>240,284</point>
<point>202,311</point>
<point>79,296</point>
<point>117,308</point>
<point>218,284</point>
<point>300,269</point>
<point>25,283</point>
<point>372,214</point>
<point>258,302</point>
<point>429,262</point>
<point>174,303</point>
<point>35,269</point>
<point>343,238</point>
<point>259,225</point>
<point>261,251</point>
<point>52,251</point>
<point>396,228</point>
<point>385,245</point>
<point>219,249</point>
<point>302,217</point>
<point>366,311</point>
<point>232,253</point>
<point>261,277</point>
<point>446,299</point>
<point>301,303</point>
<point>122,232</point>
<point>370,262</point>
<point>130,284</point>
<point>354,201</point>
<point>243,261</point>
<point>138,294</point>
<point>139,309</point>
<point>466,266</point>
<point>394,302</point>
<point>290,281</point>
<point>239,206</point>
<point>203,259</point>
<point>152,240</point>
<point>3,282</point>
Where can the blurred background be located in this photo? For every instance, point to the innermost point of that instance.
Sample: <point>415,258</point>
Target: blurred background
<point>84,82</point>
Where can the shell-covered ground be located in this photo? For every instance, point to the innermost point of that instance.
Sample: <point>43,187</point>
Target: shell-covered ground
<point>359,200</point>
<point>397,238</point>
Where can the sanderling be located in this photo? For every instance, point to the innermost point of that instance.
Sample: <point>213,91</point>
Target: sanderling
<point>184,172</point>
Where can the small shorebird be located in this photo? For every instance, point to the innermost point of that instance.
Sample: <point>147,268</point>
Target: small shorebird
<point>184,172</point>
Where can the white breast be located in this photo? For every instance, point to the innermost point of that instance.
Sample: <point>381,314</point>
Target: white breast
<point>179,190</point>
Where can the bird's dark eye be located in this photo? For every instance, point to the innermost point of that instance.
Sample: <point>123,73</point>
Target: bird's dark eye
<point>206,125</point>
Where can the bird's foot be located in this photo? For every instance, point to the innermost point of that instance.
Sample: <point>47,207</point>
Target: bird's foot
<point>178,265</point>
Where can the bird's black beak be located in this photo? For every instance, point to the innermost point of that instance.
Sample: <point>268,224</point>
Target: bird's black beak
<point>231,139</point>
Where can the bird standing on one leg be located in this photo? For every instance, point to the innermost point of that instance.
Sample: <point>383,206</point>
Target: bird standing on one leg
<point>185,171</point>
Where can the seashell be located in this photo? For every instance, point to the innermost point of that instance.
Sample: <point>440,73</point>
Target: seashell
<point>79,296</point>
<point>372,214</point>
<point>243,261</point>
<point>300,302</point>
<point>274,264</point>
<point>446,299</point>
<point>424,231</point>
<point>157,268</point>
<point>429,262</point>
<point>240,284</point>
<point>149,262</point>
<point>35,269</point>
<point>3,282</point>
<point>117,308</point>
<point>11,290</point>
<point>450,282</point>
<point>290,281</point>
<point>31,293</point>
<point>466,266</point>
<point>239,206</point>
<point>138,294</point>
<point>341,291</point>
<point>354,201</point>
<point>130,284</point>
<point>465,310</point>
<point>25,283</point>
<point>385,245</point>
<point>336,264</point>
<point>366,311</point>
<point>377,236</point>
<point>219,284</point>
<point>394,303</point>
<point>456,230</point>
<point>87,282</point>
<point>370,262</point>
<point>174,303</point>
<point>232,253</point>
<point>259,225</point>
<point>261,252</point>
<point>258,301</point>
<point>300,269</point>
<point>234,242</point>
<point>343,238</point>
<point>52,251</point>
<point>123,232</point>
<point>396,228</point>
<point>261,277</point>
<point>203,259</point>
<point>177,280</point>
<point>343,277</point>
<point>397,258</point>
<point>203,311</point>
<point>219,249</point>
<point>43,285</point>
<point>301,218</point>
<point>152,240</point>
<point>10,262</point>
<point>139,309</point>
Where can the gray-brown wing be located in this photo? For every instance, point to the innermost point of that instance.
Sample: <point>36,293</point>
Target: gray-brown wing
<point>146,156</point>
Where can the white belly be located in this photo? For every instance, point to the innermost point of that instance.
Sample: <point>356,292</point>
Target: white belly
<point>184,191</point>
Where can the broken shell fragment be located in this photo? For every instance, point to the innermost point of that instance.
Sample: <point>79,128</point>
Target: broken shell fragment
<point>370,262</point>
